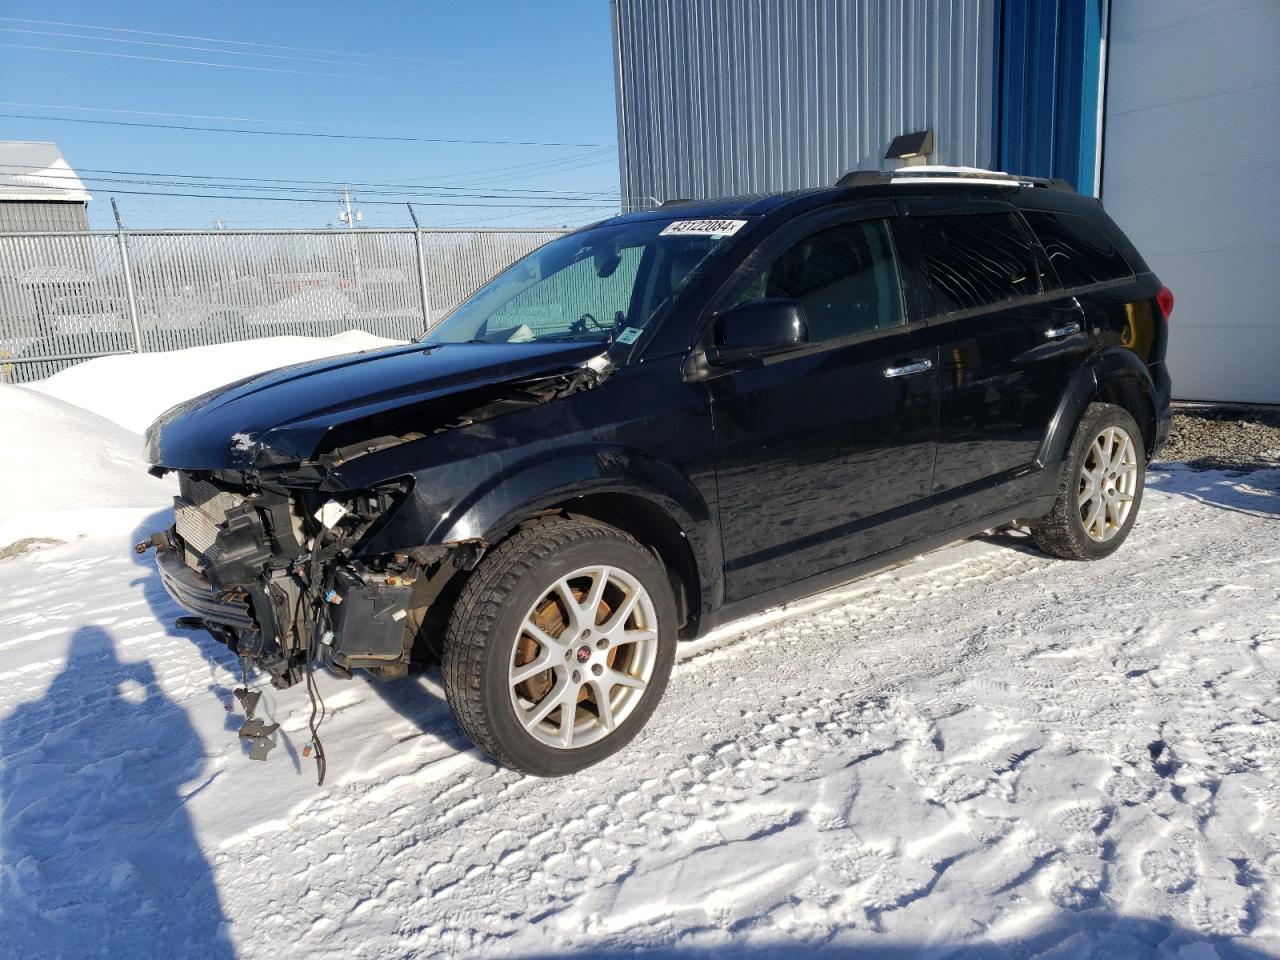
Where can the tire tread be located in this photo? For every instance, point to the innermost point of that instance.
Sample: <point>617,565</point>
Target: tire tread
<point>1055,533</point>
<point>484,597</point>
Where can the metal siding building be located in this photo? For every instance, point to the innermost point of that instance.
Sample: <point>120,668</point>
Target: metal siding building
<point>38,189</point>
<point>756,95</point>
<point>719,98</point>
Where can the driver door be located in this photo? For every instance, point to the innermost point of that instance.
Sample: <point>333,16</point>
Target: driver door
<point>824,456</point>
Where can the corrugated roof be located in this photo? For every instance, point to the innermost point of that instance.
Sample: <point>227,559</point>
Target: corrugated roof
<point>37,170</point>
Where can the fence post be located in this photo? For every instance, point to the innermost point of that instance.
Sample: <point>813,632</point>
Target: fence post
<point>128,278</point>
<point>422,269</point>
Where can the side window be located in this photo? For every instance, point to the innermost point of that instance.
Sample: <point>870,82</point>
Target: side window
<point>1079,251</point>
<point>976,260</point>
<point>845,277</point>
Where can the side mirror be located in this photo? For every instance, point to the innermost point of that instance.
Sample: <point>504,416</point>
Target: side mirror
<point>748,334</point>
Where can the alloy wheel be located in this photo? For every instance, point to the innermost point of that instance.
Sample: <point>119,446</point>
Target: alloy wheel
<point>1108,484</point>
<point>583,656</point>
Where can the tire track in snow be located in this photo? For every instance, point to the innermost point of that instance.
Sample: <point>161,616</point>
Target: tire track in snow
<point>955,745</point>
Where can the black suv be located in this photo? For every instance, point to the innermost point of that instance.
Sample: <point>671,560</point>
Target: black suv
<point>664,421</point>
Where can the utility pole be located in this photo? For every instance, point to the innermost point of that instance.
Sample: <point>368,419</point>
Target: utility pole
<point>349,215</point>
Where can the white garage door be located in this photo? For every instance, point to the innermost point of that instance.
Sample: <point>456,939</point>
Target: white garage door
<point>1191,171</point>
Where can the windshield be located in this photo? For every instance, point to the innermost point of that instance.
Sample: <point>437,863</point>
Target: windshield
<point>609,282</point>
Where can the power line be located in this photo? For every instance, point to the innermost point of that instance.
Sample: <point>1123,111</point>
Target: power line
<point>299,133</point>
<point>400,194</point>
<point>213,179</point>
<point>562,167</point>
<point>82,177</point>
<point>236,66</point>
<point>588,204</point>
<point>273,56</point>
<point>226,41</point>
<point>186,116</point>
<point>473,221</point>
<point>534,167</point>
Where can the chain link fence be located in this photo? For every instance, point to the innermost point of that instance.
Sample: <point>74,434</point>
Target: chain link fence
<point>66,297</point>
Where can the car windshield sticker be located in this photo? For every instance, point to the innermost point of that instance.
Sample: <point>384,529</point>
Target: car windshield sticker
<point>703,228</point>
<point>629,335</point>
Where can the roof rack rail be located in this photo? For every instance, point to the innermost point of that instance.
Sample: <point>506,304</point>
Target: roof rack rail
<point>862,178</point>
<point>955,175</point>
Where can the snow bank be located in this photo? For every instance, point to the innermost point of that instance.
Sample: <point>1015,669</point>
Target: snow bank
<point>72,458</point>
<point>133,389</point>
<point>66,471</point>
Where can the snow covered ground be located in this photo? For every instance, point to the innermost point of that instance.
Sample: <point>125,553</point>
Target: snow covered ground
<point>982,753</point>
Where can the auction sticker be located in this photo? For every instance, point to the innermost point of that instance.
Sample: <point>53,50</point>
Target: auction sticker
<point>703,228</point>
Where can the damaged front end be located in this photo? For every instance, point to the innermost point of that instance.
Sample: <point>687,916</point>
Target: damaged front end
<point>273,554</point>
<point>275,574</point>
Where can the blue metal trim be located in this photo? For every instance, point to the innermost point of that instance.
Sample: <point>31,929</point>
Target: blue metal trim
<point>1090,91</point>
<point>1047,64</point>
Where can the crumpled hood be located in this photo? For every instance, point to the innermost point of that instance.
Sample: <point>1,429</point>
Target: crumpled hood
<point>283,416</point>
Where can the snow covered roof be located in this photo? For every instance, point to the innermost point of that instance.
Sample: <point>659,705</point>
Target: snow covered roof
<point>37,170</point>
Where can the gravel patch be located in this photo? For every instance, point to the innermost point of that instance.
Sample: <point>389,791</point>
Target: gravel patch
<point>1224,438</point>
<point>19,547</point>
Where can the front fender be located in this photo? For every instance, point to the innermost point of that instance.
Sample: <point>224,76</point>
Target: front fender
<point>485,496</point>
<point>493,508</point>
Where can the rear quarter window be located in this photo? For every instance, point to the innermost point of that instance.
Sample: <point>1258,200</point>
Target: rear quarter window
<point>1079,252</point>
<point>977,260</point>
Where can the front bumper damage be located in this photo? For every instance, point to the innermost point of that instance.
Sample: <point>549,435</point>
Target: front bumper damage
<point>285,588</point>
<point>278,576</point>
<point>277,556</point>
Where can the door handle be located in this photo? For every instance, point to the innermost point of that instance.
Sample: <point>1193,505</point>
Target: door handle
<point>908,368</point>
<point>1053,333</point>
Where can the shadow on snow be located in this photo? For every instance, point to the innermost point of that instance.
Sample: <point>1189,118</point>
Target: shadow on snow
<point>1256,493</point>
<point>98,852</point>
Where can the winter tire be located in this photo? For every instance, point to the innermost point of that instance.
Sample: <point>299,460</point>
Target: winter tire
<point>1099,487</point>
<point>560,646</point>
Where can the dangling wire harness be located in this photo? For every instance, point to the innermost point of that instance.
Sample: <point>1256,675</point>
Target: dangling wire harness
<point>317,592</point>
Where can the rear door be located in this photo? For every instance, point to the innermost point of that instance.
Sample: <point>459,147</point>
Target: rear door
<point>1007,351</point>
<point>824,455</point>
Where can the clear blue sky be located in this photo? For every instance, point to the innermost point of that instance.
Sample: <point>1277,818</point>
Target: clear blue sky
<point>480,70</point>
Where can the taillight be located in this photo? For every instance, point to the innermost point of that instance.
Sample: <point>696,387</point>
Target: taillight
<point>1164,300</point>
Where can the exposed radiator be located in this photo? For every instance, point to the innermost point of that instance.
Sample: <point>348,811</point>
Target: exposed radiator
<point>200,509</point>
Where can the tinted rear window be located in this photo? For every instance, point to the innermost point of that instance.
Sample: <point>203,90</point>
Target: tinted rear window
<point>977,260</point>
<point>1078,250</point>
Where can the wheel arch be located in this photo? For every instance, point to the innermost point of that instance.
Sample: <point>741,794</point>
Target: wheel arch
<point>1114,376</point>
<point>648,500</point>
<point>1134,394</point>
<point>657,530</point>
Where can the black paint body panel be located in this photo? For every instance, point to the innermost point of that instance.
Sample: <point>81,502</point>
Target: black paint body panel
<point>782,478</point>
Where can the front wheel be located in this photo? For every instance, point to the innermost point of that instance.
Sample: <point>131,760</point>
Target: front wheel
<point>560,646</point>
<point>1099,488</point>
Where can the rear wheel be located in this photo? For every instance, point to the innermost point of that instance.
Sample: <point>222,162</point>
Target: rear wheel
<point>1099,488</point>
<point>560,646</point>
